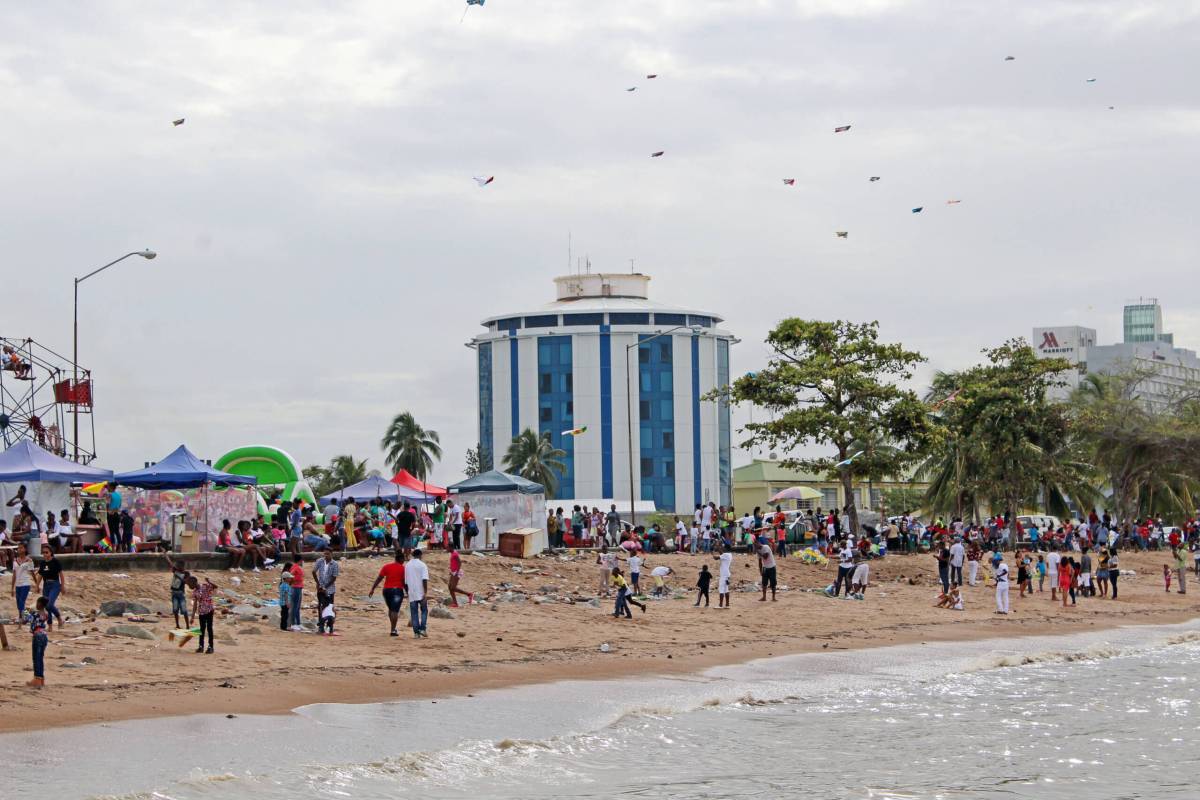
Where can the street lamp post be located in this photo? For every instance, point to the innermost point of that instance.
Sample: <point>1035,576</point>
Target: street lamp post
<point>146,254</point>
<point>695,329</point>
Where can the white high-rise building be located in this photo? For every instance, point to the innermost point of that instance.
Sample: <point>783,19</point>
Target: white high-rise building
<point>563,366</point>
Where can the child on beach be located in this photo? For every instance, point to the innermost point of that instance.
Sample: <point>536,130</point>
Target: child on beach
<point>285,599</point>
<point>1041,572</point>
<point>1023,576</point>
<point>624,598</point>
<point>861,578</point>
<point>179,577</point>
<point>202,609</point>
<point>39,621</point>
<point>1166,578</point>
<point>702,583</point>
<point>951,599</point>
<point>635,573</point>
<point>1064,579</point>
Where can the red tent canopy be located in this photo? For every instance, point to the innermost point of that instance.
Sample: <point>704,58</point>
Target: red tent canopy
<point>406,478</point>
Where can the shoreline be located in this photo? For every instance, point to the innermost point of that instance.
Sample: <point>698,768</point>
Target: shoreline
<point>533,644</point>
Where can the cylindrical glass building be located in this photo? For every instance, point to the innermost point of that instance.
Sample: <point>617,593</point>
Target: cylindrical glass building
<point>563,366</point>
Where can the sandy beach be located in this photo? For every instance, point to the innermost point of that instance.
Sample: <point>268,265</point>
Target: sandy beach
<point>553,633</point>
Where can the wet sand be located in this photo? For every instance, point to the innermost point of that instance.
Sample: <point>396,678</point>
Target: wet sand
<point>258,669</point>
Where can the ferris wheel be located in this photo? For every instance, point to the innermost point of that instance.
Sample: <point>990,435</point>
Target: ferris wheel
<point>42,397</point>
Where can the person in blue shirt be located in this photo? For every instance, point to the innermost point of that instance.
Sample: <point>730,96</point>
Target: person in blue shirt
<point>114,517</point>
<point>1034,536</point>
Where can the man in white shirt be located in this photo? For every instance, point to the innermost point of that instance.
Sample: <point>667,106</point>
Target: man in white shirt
<point>635,573</point>
<point>958,554</point>
<point>723,577</point>
<point>454,520</point>
<point>706,516</point>
<point>1052,559</point>
<point>416,581</point>
<point>766,566</point>
<point>1001,575</point>
<point>845,567</point>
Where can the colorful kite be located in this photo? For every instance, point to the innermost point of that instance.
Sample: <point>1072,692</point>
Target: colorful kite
<point>468,8</point>
<point>789,181</point>
<point>657,154</point>
<point>483,180</point>
<point>575,431</point>
<point>843,234</point>
<point>841,129</point>
<point>953,202</point>
<point>849,460</point>
<point>918,209</point>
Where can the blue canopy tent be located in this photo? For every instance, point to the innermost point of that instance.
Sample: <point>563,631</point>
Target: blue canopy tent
<point>46,479</point>
<point>376,486</point>
<point>497,481</point>
<point>180,470</point>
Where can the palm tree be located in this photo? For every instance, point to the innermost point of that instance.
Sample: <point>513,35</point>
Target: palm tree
<point>345,470</point>
<point>408,446</point>
<point>534,457</point>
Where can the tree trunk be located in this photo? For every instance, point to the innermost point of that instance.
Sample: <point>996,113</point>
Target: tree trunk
<point>851,506</point>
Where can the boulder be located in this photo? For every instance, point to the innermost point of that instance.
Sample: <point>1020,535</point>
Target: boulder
<point>90,660</point>
<point>118,608</point>
<point>247,610</point>
<point>249,630</point>
<point>438,612</point>
<point>132,631</point>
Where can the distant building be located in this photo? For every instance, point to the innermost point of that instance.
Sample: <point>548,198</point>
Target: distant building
<point>1146,347</point>
<point>755,483</point>
<point>562,366</point>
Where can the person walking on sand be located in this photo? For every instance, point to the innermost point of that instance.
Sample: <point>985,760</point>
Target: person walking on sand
<point>202,610</point>
<point>285,598</point>
<point>605,561</point>
<point>845,568</point>
<point>1052,561</point>
<point>1000,575</point>
<point>456,573</point>
<point>974,554</point>
<point>702,584</point>
<point>723,577</point>
<point>23,570</point>
<point>325,574</point>
<point>179,606</point>
<point>416,579</point>
<point>53,583</point>
<point>1064,579</point>
<point>1181,565</point>
<point>624,596</point>
<point>297,594</point>
<point>958,556</point>
<point>39,622</point>
<point>392,578</point>
<point>767,573</point>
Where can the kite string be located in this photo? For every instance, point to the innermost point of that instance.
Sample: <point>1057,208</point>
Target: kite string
<point>464,16</point>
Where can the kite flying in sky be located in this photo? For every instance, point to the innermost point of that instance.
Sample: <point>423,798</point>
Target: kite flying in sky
<point>789,181</point>
<point>177,122</point>
<point>657,154</point>
<point>953,202</point>
<point>849,460</point>
<point>918,209</point>
<point>1091,80</point>
<point>651,77</point>
<point>1010,58</point>
<point>468,8</point>
<point>843,234</point>
<point>483,180</point>
<point>575,431</point>
<point>873,178</point>
<point>631,89</point>
<point>841,129</point>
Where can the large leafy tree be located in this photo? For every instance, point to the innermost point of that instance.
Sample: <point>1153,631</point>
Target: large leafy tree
<point>1014,443</point>
<point>832,384</point>
<point>1148,455</point>
<point>407,445</point>
<point>951,467</point>
<point>536,458</point>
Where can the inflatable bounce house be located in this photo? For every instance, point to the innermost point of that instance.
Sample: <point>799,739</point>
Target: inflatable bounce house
<point>279,476</point>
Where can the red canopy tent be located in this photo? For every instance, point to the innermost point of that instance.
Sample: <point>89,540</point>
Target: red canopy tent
<point>407,479</point>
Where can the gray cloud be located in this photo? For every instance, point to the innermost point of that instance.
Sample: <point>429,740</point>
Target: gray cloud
<point>324,253</point>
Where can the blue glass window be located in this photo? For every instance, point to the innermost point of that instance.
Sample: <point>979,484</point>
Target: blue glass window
<point>484,355</point>
<point>556,404</point>
<point>543,321</point>
<point>703,322</point>
<point>583,319</point>
<point>510,324</point>
<point>670,319</point>
<point>656,406</point>
<point>628,318</point>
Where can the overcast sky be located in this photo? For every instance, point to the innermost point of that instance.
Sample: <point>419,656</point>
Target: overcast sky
<point>324,253</point>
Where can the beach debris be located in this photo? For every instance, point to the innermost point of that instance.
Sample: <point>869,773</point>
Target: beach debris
<point>119,608</point>
<point>90,660</point>
<point>118,575</point>
<point>483,180</point>
<point>605,647</point>
<point>131,631</point>
<point>461,635</point>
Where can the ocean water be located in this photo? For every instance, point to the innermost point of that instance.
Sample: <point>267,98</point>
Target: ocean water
<point>1103,715</point>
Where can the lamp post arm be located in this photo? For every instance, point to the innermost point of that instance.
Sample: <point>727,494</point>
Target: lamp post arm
<point>106,266</point>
